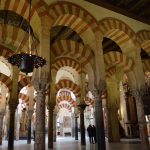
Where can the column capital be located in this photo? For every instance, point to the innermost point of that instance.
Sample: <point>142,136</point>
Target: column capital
<point>51,107</point>
<point>138,92</point>
<point>100,89</point>
<point>41,83</point>
<point>96,94</point>
<point>82,106</point>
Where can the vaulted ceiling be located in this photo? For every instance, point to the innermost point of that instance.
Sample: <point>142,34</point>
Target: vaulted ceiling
<point>136,9</point>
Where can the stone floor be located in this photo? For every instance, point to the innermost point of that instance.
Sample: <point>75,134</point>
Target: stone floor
<point>69,143</point>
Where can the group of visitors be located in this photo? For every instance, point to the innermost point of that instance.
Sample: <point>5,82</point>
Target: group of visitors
<point>92,133</point>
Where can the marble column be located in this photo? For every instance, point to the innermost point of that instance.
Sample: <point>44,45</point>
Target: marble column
<point>54,126</point>
<point>107,125</point>
<point>40,121</point>
<point>40,85</point>
<point>1,127</point>
<point>76,127</point>
<point>100,134</point>
<point>12,109</point>
<point>138,93</point>
<point>82,126</point>
<point>50,126</point>
<point>113,124</point>
<point>30,112</point>
<point>72,124</point>
<point>13,102</point>
<point>17,126</point>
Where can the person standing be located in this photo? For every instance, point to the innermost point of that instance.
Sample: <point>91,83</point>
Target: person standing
<point>90,133</point>
<point>94,133</point>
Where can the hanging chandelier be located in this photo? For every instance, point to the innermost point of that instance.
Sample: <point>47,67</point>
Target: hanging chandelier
<point>26,62</point>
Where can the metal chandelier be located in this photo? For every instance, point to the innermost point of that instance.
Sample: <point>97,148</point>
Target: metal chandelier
<point>26,62</point>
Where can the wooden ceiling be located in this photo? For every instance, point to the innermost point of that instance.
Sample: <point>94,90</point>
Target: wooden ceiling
<point>136,9</point>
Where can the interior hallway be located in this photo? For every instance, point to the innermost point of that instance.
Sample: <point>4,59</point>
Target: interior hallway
<point>68,143</point>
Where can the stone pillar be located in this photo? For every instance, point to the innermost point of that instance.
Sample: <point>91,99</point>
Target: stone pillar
<point>76,127</point>
<point>17,125</point>
<point>40,85</point>
<point>113,125</point>
<point>13,102</point>
<point>40,103</point>
<point>1,127</point>
<point>6,123</point>
<point>100,135</point>
<point>51,107</point>
<point>138,93</point>
<point>50,126</point>
<point>54,126</point>
<point>40,120</point>
<point>106,124</point>
<point>127,105</point>
<point>30,112</point>
<point>82,126</point>
<point>73,124</point>
<point>12,109</point>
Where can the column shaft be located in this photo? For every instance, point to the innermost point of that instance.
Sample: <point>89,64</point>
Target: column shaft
<point>72,125</point>
<point>108,125</point>
<point>142,121</point>
<point>11,130</point>
<point>54,127</point>
<point>30,113</point>
<point>29,132</point>
<point>114,135</point>
<point>76,127</point>
<point>1,128</point>
<point>40,121</point>
<point>50,128</point>
<point>82,126</point>
<point>100,135</point>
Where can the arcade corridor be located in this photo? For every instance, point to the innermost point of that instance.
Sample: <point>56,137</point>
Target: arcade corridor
<point>69,64</point>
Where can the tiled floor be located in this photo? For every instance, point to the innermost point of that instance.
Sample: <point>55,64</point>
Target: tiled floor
<point>69,143</point>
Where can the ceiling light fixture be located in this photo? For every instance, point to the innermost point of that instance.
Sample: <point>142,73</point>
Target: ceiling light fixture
<point>26,62</point>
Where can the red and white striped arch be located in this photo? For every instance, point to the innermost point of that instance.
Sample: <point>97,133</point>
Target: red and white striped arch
<point>118,31</point>
<point>116,58</point>
<point>24,80</point>
<point>67,84</point>
<point>25,98</point>
<point>5,52</point>
<point>72,15</point>
<point>6,80</point>
<point>68,99</point>
<point>143,38</point>
<point>72,49</point>
<point>11,35</point>
<point>21,7</point>
<point>66,61</point>
<point>89,101</point>
<point>66,106</point>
